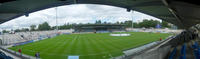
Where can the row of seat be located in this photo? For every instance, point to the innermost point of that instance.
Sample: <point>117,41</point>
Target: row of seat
<point>173,53</point>
<point>182,53</point>
<point>9,39</point>
<point>196,50</point>
<point>4,56</point>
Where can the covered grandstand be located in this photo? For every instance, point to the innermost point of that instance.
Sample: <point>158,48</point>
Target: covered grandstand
<point>99,28</point>
<point>182,13</point>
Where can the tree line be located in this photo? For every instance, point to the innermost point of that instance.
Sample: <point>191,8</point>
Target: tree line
<point>145,23</point>
<point>128,24</point>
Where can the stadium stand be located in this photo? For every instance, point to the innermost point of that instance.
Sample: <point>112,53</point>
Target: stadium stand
<point>173,53</point>
<point>196,50</point>
<point>183,52</point>
<point>20,37</point>
<point>4,56</point>
<point>24,38</point>
<point>99,28</point>
<point>173,11</point>
<point>11,38</point>
<point>186,45</point>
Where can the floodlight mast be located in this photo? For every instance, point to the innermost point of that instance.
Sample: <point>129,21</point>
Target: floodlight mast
<point>132,12</point>
<point>56,19</point>
<point>2,36</point>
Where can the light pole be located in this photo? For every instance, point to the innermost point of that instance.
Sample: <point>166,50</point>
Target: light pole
<point>132,17</point>
<point>56,20</point>
<point>2,36</point>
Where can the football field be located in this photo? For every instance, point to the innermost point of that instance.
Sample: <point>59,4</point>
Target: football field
<point>88,46</point>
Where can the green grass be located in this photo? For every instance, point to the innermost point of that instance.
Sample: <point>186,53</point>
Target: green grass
<point>88,46</point>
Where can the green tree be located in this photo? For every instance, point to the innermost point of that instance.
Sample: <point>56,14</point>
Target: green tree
<point>165,24</point>
<point>148,23</point>
<point>32,27</point>
<point>117,22</point>
<point>24,29</point>
<point>5,31</point>
<point>135,25</point>
<point>17,30</point>
<point>44,26</point>
<point>128,23</point>
<point>104,22</point>
<point>98,22</point>
<point>65,26</point>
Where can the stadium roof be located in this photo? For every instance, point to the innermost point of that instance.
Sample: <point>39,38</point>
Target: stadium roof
<point>182,13</point>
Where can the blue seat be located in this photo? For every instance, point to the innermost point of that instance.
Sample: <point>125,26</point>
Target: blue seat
<point>4,56</point>
<point>196,44</point>
<point>173,53</point>
<point>196,50</point>
<point>183,52</point>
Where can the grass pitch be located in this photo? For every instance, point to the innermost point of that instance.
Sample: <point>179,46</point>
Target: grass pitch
<point>88,46</point>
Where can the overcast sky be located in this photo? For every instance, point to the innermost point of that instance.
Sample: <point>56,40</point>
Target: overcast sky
<point>80,13</point>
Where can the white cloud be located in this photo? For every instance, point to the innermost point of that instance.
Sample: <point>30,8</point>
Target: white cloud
<point>81,13</point>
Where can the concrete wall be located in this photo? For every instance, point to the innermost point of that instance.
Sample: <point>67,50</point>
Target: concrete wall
<point>159,53</point>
